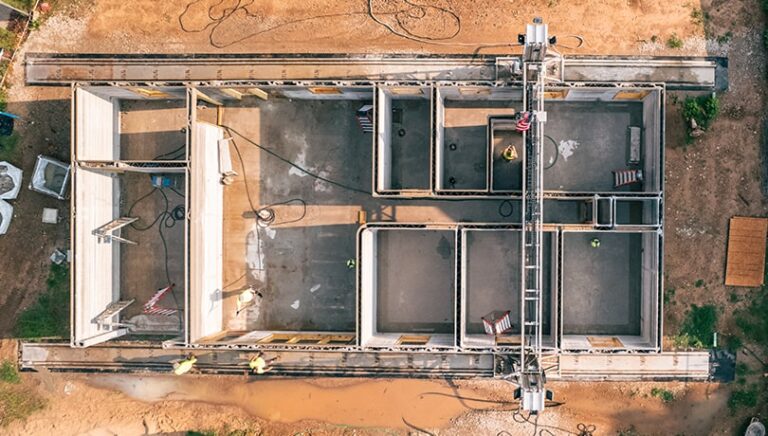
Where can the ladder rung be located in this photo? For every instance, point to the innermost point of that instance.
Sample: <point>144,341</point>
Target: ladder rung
<point>531,323</point>
<point>532,298</point>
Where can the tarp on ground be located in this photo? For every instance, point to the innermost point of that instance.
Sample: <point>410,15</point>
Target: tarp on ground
<point>6,213</point>
<point>10,181</point>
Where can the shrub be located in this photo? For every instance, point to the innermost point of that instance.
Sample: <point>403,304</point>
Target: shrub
<point>699,17</point>
<point>674,41</point>
<point>699,283</point>
<point>746,398</point>
<point>703,109</point>
<point>663,394</point>
<point>733,343</point>
<point>742,369</point>
<point>752,320</point>
<point>699,326</point>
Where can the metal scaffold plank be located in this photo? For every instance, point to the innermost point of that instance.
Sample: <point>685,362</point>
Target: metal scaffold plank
<point>692,73</point>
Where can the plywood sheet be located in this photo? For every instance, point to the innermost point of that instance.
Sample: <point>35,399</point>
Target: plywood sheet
<point>605,342</point>
<point>746,251</point>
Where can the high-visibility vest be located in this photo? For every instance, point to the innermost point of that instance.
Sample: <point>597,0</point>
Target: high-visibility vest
<point>258,364</point>
<point>184,366</point>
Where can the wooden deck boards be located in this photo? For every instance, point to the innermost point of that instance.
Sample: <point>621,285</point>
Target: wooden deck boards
<point>746,251</point>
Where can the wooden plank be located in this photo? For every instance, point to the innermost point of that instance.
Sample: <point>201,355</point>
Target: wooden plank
<point>746,251</point>
<point>258,92</point>
<point>207,99</point>
<point>605,342</point>
<point>232,93</point>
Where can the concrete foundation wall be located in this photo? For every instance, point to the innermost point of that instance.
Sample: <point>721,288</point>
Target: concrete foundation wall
<point>96,265</point>
<point>96,127</point>
<point>383,115</point>
<point>206,228</point>
<point>651,141</point>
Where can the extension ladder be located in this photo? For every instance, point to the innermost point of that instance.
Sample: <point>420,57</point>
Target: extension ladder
<point>105,232</point>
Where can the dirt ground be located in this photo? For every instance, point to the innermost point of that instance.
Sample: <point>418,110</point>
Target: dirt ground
<point>716,177</point>
<point>163,404</point>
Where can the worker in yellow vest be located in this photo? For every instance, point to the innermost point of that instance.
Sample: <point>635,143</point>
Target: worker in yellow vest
<point>260,365</point>
<point>182,367</point>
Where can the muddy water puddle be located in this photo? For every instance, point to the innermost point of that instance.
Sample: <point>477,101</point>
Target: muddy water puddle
<point>370,403</point>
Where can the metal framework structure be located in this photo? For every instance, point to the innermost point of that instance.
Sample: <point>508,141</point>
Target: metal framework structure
<point>531,307</point>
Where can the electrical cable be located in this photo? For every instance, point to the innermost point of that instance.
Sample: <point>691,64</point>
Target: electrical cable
<point>557,152</point>
<point>421,13</point>
<point>266,216</point>
<point>479,400</point>
<point>416,428</point>
<point>177,192</point>
<point>404,18</point>
<point>517,416</point>
<point>577,37</point>
<point>167,219</point>
<point>168,156</point>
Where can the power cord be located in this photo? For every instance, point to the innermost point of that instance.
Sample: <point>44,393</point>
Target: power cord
<point>230,130</point>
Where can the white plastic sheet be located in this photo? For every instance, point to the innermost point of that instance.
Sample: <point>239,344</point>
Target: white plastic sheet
<point>6,213</point>
<point>8,170</point>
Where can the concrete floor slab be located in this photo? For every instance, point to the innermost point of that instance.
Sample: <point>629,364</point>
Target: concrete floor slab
<point>598,131</point>
<point>493,277</point>
<point>415,281</point>
<point>151,129</point>
<point>465,141</point>
<point>142,266</point>
<point>411,132</point>
<point>601,286</point>
<point>308,246</point>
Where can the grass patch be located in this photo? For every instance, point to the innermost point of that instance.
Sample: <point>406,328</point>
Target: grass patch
<point>674,41</point>
<point>669,296</point>
<point>17,403</point>
<point>629,431</point>
<point>733,343</point>
<point>725,38</point>
<point>699,17</point>
<point>664,395</point>
<point>49,316</point>
<point>742,370</point>
<point>24,5</point>
<point>699,327</point>
<point>8,373</point>
<point>752,321</point>
<point>7,39</point>
<point>741,399</point>
<point>9,150</point>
